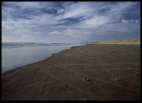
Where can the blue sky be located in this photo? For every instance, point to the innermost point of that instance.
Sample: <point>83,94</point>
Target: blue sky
<point>69,21</point>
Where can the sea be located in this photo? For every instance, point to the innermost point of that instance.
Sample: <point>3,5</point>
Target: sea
<point>20,54</point>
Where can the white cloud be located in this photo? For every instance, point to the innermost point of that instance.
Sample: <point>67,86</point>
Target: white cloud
<point>95,19</point>
<point>95,22</point>
<point>129,21</point>
<point>25,5</point>
<point>60,11</point>
<point>78,9</point>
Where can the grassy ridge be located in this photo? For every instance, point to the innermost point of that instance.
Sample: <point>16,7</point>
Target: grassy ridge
<point>131,41</point>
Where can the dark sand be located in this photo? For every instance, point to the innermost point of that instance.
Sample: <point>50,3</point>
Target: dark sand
<point>91,72</point>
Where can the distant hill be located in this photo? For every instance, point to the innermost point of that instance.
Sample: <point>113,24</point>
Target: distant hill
<point>131,41</point>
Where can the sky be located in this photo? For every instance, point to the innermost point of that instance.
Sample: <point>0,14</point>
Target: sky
<point>69,22</point>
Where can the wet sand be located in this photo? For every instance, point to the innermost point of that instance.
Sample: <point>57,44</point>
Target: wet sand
<point>91,72</point>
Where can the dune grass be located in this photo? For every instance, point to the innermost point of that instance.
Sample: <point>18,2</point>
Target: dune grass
<point>131,41</point>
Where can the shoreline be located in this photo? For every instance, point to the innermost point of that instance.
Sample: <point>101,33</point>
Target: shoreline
<point>55,78</point>
<point>47,59</point>
<point>54,54</point>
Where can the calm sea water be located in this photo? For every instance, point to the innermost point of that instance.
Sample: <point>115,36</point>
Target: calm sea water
<point>17,55</point>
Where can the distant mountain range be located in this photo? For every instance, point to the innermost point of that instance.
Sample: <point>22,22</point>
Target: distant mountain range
<point>30,44</point>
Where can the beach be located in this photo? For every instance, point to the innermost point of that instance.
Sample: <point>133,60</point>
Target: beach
<point>90,72</point>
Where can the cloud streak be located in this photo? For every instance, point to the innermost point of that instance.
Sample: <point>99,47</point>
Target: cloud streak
<point>69,21</point>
